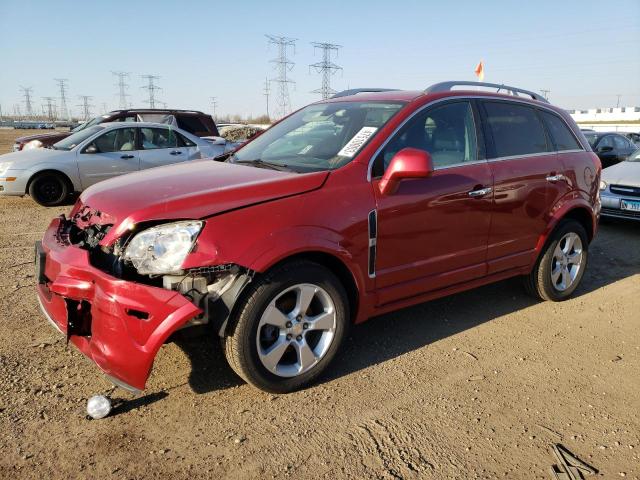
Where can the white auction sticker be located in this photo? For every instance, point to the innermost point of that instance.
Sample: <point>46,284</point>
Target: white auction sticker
<point>351,148</point>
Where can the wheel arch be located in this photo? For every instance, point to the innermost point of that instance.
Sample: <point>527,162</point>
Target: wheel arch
<point>49,170</point>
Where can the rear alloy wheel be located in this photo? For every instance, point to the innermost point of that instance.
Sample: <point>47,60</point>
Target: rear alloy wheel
<point>561,266</point>
<point>289,327</point>
<point>49,189</point>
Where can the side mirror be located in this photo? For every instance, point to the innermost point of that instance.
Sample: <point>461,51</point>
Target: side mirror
<point>91,149</point>
<point>605,149</point>
<point>407,163</point>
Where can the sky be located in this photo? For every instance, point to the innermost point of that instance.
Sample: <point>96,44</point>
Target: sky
<point>585,52</point>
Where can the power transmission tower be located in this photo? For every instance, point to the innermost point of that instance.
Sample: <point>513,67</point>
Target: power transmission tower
<point>618,102</point>
<point>151,87</point>
<point>266,92</point>
<point>326,67</point>
<point>283,65</point>
<point>86,106</point>
<point>16,111</point>
<point>545,93</point>
<point>104,107</point>
<point>50,107</point>
<point>26,93</point>
<point>122,88</point>
<point>214,104</point>
<point>62,87</point>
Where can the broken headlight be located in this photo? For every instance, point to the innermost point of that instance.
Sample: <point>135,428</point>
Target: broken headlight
<point>162,249</point>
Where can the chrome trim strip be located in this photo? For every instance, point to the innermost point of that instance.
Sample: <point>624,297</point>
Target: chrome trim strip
<point>468,97</point>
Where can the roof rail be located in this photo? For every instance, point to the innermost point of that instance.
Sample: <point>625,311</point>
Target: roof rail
<point>354,91</point>
<point>447,86</point>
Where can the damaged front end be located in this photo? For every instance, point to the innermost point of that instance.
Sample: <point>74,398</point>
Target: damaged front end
<point>115,308</point>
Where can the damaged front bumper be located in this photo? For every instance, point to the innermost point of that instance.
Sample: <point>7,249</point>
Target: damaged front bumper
<point>118,324</point>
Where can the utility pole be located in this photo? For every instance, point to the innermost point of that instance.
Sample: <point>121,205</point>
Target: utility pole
<point>283,65</point>
<point>326,67</point>
<point>26,93</point>
<point>104,107</point>
<point>266,92</point>
<point>151,87</point>
<point>86,107</point>
<point>122,88</point>
<point>214,104</point>
<point>62,88</point>
<point>618,102</point>
<point>50,107</point>
<point>545,93</point>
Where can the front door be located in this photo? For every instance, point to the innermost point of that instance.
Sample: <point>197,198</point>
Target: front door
<point>432,232</point>
<point>113,153</point>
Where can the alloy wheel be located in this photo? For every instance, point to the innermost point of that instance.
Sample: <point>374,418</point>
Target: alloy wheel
<point>566,262</point>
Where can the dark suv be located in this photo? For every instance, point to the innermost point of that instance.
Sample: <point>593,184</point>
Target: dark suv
<point>348,208</point>
<point>195,122</point>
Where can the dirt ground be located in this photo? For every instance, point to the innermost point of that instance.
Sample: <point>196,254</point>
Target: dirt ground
<point>477,385</point>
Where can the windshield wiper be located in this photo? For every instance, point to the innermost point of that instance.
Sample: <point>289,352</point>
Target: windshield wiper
<point>258,162</point>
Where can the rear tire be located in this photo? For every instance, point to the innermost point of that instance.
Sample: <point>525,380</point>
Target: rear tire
<point>49,189</point>
<point>287,327</point>
<point>561,265</point>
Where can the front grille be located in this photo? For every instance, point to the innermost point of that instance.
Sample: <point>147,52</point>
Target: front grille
<point>616,212</point>
<point>625,190</point>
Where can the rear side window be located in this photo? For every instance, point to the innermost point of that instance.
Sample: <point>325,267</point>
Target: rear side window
<point>153,138</point>
<point>516,129</point>
<point>561,136</point>
<point>192,124</point>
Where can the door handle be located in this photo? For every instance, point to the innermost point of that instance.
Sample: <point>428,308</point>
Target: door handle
<point>556,178</point>
<point>481,192</point>
<point>126,156</point>
<point>176,152</point>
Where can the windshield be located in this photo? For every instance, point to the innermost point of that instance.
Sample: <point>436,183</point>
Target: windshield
<point>75,139</point>
<point>592,138</point>
<point>634,157</point>
<point>91,123</point>
<point>324,136</point>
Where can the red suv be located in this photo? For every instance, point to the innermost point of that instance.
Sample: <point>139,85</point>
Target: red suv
<point>352,207</point>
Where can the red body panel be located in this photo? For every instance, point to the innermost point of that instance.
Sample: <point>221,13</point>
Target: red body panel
<point>433,239</point>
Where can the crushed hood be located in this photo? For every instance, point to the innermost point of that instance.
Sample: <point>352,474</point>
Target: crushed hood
<point>623,173</point>
<point>188,190</point>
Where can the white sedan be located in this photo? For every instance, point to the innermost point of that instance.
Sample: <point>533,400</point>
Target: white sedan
<point>97,153</point>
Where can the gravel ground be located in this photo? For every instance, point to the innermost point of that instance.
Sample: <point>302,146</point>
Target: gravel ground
<point>477,385</point>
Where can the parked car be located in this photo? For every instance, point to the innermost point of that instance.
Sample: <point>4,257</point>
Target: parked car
<point>620,189</point>
<point>634,137</point>
<point>96,153</point>
<point>611,147</point>
<point>349,208</point>
<point>194,122</point>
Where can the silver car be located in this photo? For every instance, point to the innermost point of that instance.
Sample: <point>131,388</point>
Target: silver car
<point>620,189</point>
<point>97,153</point>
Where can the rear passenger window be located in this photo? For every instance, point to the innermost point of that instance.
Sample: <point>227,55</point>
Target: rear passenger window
<point>561,136</point>
<point>516,129</point>
<point>192,124</point>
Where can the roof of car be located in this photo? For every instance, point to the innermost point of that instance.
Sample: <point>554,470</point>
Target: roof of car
<point>136,124</point>
<point>155,110</point>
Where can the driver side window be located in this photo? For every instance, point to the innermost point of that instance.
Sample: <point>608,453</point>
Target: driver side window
<point>116,140</point>
<point>447,132</point>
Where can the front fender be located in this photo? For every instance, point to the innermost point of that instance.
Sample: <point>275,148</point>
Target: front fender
<point>70,170</point>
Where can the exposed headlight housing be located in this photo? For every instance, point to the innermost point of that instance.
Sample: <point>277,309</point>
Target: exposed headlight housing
<point>603,185</point>
<point>162,249</point>
<point>32,144</point>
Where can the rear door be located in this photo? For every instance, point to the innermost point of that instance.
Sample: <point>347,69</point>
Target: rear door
<point>527,175</point>
<point>432,232</point>
<point>115,154</point>
<point>160,146</point>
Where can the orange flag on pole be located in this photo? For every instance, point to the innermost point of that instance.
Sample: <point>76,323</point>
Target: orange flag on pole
<point>480,71</point>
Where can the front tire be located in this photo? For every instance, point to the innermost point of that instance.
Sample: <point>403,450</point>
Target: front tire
<point>561,265</point>
<point>49,189</point>
<point>288,326</point>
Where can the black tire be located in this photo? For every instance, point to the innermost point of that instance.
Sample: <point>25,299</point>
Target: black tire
<point>539,282</point>
<point>240,345</point>
<point>49,189</point>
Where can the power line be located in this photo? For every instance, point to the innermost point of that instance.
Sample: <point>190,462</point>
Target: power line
<point>50,107</point>
<point>326,67</point>
<point>283,65</point>
<point>266,92</point>
<point>26,93</point>
<point>86,106</point>
<point>122,88</point>
<point>151,87</point>
<point>62,88</point>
